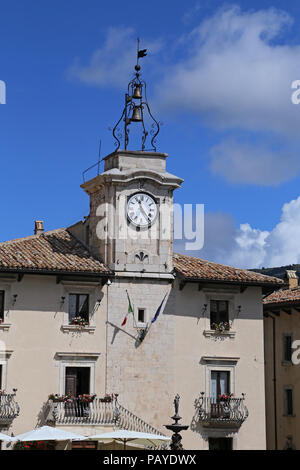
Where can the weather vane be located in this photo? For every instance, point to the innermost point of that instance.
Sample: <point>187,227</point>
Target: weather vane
<point>136,104</point>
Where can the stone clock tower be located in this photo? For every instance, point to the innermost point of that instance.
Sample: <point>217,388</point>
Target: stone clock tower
<point>131,212</point>
<point>131,202</point>
<point>131,231</point>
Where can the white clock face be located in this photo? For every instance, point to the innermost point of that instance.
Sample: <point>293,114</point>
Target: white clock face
<point>141,209</point>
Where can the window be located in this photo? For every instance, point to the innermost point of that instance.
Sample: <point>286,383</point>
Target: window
<point>141,315</point>
<point>219,384</point>
<point>77,380</point>
<point>1,306</point>
<point>289,402</point>
<point>78,307</point>
<point>219,391</point>
<point>287,347</point>
<point>220,443</point>
<point>218,313</point>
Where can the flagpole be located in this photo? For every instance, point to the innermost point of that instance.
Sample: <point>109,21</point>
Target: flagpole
<point>138,48</point>
<point>148,329</point>
<point>134,322</point>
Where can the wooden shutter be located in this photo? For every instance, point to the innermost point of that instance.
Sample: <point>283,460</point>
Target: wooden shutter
<point>71,381</point>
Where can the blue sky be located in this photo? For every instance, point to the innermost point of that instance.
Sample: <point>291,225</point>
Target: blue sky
<point>219,77</point>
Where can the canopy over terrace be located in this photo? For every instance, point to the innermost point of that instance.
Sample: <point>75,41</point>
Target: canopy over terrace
<point>48,433</point>
<point>138,438</point>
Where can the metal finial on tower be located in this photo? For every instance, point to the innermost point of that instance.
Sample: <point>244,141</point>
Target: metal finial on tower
<point>135,105</point>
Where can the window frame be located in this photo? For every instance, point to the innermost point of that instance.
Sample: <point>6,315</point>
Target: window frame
<point>287,411</point>
<point>233,297</point>
<point>222,365</point>
<point>223,439</point>
<point>65,360</point>
<point>78,368</point>
<point>78,294</point>
<point>284,337</point>
<point>144,315</point>
<point>218,313</point>
<point>218,373</point>
<point>4,358</point>
<point>141,324</point>
<point>95,292</point>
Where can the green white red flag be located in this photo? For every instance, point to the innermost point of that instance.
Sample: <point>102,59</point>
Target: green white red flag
<point>130,310</point>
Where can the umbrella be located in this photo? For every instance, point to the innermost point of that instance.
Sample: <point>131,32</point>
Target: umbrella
<point>5,437</point>
<point>48,433</point>
<point>134,437</point>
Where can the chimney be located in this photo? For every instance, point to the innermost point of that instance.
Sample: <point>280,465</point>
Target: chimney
<point>38,227</point>
<point>290,279</point>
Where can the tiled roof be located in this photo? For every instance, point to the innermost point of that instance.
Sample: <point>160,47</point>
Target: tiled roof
<point>59,251</point>
<point>198,269</point>
<point>54,251</point>
<point>284,296</point>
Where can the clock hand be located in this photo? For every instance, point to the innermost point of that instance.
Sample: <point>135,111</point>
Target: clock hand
<point>143,210</point>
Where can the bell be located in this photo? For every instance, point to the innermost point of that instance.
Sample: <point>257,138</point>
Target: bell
<point>137,94</point>
<point>136,114</point>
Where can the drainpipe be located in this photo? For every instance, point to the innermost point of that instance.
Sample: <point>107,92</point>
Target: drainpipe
<point>274,382</point>
<point>106,339</point>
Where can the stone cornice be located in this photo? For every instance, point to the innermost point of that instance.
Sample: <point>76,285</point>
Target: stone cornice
<point>145,275</point>
<point>125,177</point>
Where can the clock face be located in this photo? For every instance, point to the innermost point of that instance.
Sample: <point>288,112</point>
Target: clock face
<point>141,209</point>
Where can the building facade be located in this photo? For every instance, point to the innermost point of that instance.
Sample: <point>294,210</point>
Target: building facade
<point>282,328</point>
<point>65,295</point>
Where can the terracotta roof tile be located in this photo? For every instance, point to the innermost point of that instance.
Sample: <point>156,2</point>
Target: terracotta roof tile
<point>283,296</point>
<point>198,269</point>
<point>54,251</point>
<point>59,251</point>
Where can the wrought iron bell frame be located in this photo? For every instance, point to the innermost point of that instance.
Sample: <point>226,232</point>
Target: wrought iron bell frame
<point>131,103</point>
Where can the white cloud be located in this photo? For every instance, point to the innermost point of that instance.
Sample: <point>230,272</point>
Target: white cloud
<point>236,75</point>
<point>113,63</point>
<point>282,245</point>
<point>246,162</point>
<point>234,71</point>
<point>110,64</point>
<point>248,247</point>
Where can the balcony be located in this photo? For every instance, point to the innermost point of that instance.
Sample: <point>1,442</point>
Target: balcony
<point>9,409</point>
<point>231,412</point>
<point>96,412</point>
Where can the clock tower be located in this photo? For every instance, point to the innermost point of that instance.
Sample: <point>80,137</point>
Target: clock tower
<point>131,212</point>
<point>131,202</point>
<point>131,231</point>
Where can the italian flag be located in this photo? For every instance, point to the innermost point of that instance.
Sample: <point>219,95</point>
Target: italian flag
<point>130,310</point>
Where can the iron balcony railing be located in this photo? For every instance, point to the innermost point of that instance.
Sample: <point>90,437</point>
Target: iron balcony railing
<point>9,408</point>
<point>96,412</point>
<point>231,411</point>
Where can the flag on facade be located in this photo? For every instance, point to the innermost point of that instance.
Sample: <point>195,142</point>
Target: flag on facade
<point>130,310</point>
<point>158,310</point>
